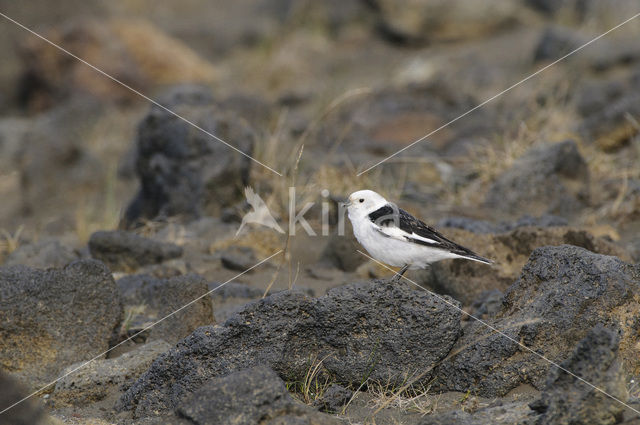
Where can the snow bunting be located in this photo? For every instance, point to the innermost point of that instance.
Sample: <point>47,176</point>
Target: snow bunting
<point>397,238</point>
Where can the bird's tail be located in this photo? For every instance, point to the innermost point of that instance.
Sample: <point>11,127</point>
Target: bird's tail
<point>477,258</point>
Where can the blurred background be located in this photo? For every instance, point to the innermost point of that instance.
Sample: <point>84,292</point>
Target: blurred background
<point>318,91</point>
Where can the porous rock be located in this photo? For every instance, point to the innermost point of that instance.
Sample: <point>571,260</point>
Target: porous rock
<point>562,293</point>
<point>124,251</point>
<point>92,382</point>
<point>372,329</point>
<point>53,318</point>
<point>247,397</point>
<point>566,399</point>
<point>182,170</point>
<point>149,299</point>
<point>548,179</point>
<point>466,280</point>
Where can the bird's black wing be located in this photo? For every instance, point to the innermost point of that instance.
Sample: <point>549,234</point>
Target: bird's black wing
<point>415,231</point>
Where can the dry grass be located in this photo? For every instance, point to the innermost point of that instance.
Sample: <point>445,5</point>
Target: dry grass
<point>415,398</point>
<point>9,242</point>
<point>314,384</point>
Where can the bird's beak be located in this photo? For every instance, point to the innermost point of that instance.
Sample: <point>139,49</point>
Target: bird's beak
<point>346,204</point>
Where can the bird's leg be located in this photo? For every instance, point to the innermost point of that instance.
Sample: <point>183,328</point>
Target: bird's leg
<point>398,276</point>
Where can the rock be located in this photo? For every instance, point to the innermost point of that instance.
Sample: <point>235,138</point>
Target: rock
<point>549,179</point>
<point>562,293</point>
<point>247,397</point>
<point>53,318</point>
<point>481,226</point>
<point>417,23</point>
<point>54,158</point>
<point>94,381</point>
<point>341,251</point>
<point>126,251</point>
<point>386,120</point>
<point>149,299</point>
<point>557,42</point>
<point>608,107</point>
<point>373,330</point>
<point>183,171</point>
<point>466,280</point>
<point>238,258</point>
<point>43,254</point>
<point>497,414</point>
<point>333,399</point>
<point>28,412</point>
<point>566,399</point>
<point>134,52</point>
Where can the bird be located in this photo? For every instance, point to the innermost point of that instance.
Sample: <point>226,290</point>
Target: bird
<point>260,213</point>
<point>395,237</point>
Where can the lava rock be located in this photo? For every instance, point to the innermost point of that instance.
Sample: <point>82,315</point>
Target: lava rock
<point>562,293</point>
<point>557,42</point>
<point>126,251</point>
<point>92,382</point>
<point>183,171</point>
<point>149,299</point>
<point>375,330</point>
<point>53,318</point>
<point>133,51</point>
<point>341,251</point>
<point>500,414</point>
<point>238,258</point>
<point>334,398</point>
<point>465,280</point>
<point>481,226</point>
<point>566,399</point>
<point>42,254</point>
<point>549,179</point>
<point>247,397</point>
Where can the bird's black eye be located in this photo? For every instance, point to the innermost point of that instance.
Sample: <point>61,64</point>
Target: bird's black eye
<point>361,200</point>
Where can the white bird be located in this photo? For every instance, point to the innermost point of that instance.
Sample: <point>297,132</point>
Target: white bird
<point>395,237</point>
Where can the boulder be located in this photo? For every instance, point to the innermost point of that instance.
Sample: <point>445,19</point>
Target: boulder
<point>124,251</point>
<point>566,399</point>
<point>134,52</point>
<point>333,399</point>
<point>94,381</point>
<point>56,317</point>
<point>465,280</point>
<point>498,413</point>
<point>548,179</point>
<point>42,254</point>
<point>183,171</point>
<point>369,330</point>
<point>416,22</point>
<point>562,293</point>
<point>247,397</point>
<point>148,299</point>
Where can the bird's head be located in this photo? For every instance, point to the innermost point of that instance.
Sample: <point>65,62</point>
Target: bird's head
<point>364,202</point>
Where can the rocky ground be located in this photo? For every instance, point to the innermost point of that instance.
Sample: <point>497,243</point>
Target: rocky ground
<point>128,296</point>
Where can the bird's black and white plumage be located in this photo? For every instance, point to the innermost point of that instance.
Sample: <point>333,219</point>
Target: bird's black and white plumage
<point>397,238</point>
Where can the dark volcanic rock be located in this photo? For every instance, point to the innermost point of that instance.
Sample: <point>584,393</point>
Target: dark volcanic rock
<point>562,293</point>
<point>150,299</point>
<point>549,179</point>
<point>341,251</point>
<point>373,329</point>
<point>566,399</point>
<point>248,397</point>
<point>481,226</point>
<point>43,254</point>
<point>465,280</point>
<point>557,42</point>
<point>334,398</point>
<point>28,412</point>
<point>53,318</point>
<point>126,251</point>
<point>92,382</point>
<point>502,414</point>
<point>183,171</point>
